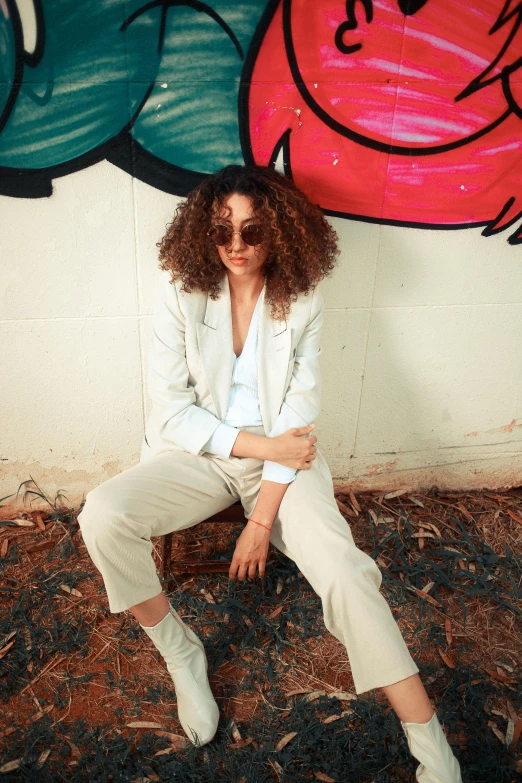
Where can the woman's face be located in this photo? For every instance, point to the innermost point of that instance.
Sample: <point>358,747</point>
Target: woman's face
<point>250,259</point>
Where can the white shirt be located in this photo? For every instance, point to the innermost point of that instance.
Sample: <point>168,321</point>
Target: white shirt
<point>243,406</point>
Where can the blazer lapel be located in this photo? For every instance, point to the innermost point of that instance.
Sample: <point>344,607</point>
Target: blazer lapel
<point>217,354</point>
<point>216,348</point>
<point>274,347</point>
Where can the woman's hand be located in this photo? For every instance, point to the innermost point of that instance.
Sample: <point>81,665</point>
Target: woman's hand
<point>292,449</point>
<point>251,552</point>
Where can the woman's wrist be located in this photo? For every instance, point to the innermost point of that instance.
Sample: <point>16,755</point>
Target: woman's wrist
<point>249,444</point>
<point>268,449</point>
<point>267,526</point>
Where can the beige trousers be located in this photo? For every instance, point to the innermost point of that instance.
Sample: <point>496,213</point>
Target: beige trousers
<point>175,490</point>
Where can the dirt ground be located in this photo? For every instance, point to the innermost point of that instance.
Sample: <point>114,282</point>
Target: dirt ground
<point>64,658</point>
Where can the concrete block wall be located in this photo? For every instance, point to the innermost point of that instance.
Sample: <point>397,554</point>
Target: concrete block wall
<point>421,356</point>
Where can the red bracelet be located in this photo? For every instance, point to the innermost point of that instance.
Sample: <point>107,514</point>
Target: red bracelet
<point>259,523</point>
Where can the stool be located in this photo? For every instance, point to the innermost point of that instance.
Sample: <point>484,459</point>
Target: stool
<point>233,513</point>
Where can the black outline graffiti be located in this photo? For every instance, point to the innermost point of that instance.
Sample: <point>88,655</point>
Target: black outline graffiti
<point>343,130</point>
<point>480,81</point>
<point>22,57</point>
<point>122,150</point>
<point>490,230</point>
<point>196,5</point>
<point>32,60</point>
<point>126,153</point>
<point>284,142</point>
<point>16,23</point>
<point>351,24</point>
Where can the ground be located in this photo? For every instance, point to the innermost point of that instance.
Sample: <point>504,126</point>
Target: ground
<point>86,697</point>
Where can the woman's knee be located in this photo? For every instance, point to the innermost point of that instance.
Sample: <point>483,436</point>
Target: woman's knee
<point>92,518</point>
<point>366,569</point>
<point>350,572</point>
<point>105,516</point>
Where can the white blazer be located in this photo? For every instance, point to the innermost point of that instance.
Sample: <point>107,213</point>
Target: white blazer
<point>191,359</point>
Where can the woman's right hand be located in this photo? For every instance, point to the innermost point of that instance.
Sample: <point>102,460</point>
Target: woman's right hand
<point>293,450</point>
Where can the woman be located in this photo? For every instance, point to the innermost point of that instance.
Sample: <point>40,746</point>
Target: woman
<point>240,264</point>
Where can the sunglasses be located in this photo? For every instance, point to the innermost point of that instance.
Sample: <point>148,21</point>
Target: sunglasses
<point>221,234</point>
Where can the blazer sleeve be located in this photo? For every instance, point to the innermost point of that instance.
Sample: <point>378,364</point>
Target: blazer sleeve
<point>222,441</point>
<point>302,401</point>
<point>179,418</point>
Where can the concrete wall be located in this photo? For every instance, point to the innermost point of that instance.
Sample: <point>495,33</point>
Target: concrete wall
<point>421,344</point>
<point>416,160</point>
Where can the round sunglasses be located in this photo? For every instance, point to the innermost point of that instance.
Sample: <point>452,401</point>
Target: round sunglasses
<point>221,234</point>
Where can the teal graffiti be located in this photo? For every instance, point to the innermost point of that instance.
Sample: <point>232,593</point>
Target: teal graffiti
<point>153,87</point>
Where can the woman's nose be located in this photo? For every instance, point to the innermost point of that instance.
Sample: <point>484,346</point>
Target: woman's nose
<point>237,242</point>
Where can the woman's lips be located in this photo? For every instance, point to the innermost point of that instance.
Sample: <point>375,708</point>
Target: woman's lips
<point>238,261</point>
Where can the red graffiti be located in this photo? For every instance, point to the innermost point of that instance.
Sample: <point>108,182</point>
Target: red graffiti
<point>403,111</point>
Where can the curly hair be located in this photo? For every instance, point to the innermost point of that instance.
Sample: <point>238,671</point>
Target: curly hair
<point>302,245</point>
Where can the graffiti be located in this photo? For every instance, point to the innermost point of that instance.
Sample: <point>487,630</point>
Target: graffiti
<point>408,113</point>
<point>123,80</point>
<point>405,112</point>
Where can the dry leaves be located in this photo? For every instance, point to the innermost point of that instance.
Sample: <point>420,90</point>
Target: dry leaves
<point>380,519</point>
<point>313,696</point>
<point>447,660</point>
<point>355,504</point>
<point>177,742</point>
<point>345,509</point>
<point>499,676</point>
<point>21,522</point>
<point>465,511</point>
<point>278,769</point>
<point>332,718</point>
<point>42,758</point>
<point>431,526</point>
<point>497,732</point>
<point>514,516</point>
<point>72,590</point>
<point>11,765</point>
<point>297,692</point>
<point>5,650</point>
<point>42,546</point>
<point>241,744</point>
<point>343,695</point>
<point>464,685</point>
<point>235,731</point>
<point>75,750</point>
<point>449,635</point>
<point>41,713</point>
<point>516,735</point>
<point>397,493</point>
<point>285,740</point>
<point>143,724</point>
<point>209,597</point>
<point>422,594</point>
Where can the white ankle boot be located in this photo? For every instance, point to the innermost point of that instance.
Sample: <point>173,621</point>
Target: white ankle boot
<point>428,744</point>
<point>186,662</point>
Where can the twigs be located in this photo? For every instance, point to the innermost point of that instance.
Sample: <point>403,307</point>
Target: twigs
<point>264,642</point>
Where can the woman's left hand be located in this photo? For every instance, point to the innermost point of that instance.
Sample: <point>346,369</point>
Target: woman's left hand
<point>251,552</point>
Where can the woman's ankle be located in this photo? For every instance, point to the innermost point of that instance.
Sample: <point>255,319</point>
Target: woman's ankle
<point>150,612</point>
